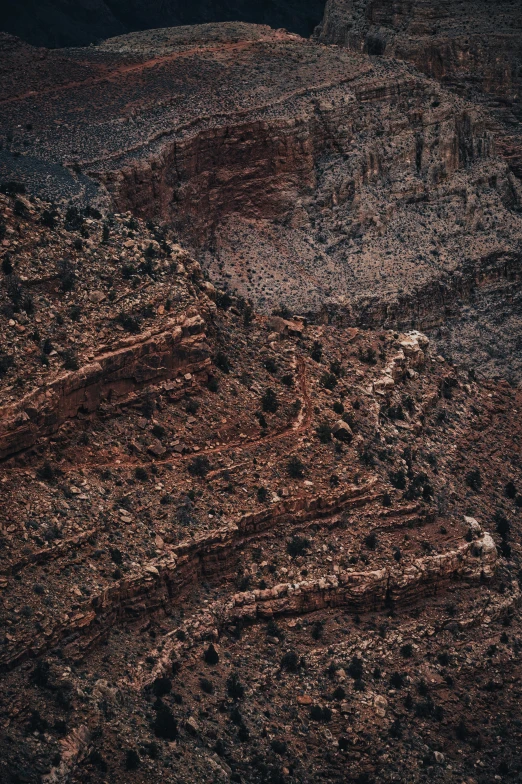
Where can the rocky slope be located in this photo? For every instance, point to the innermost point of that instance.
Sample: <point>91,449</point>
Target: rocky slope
<point>335,510</point>
<point>474,48</point>
<point>339,185</point>
<point>56,23</point>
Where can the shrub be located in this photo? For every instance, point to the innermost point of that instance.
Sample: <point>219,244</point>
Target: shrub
<point>141,474</point>
<point>474,480</point>
<point>355,668</point>
<point>320,714</point>
<point>262,495</point>
<point>40,674</point>
<point>6,363</point>
<point>199,467</point>
<point>278,746</point>
<point>398,479</point>
<point>407,650</point>
<point>370,541</point>
<point>213,384</point>
<point>75,313</point>
<point>206,685</point>
<point>7,265</point>
<point>161,686</point>
<point>510,490</point>
<point>298,545</point>
<point>287,380</point>
<point>165,725</point>
<point>317,351</point>
<point>49,219</point>
<point>324,433</point>
<point>290,661</point>
<point>158,431</point>
<point>317,630</point>
<point>132,760</point>
<point>328,380</point>
<point>48,474</point>
<point>270,365</point>
<point>269,402</point>
<point>67,276</point>
<point>70,360</point>
<point>235,689</point>
<point>339,693</point>
<point>295,468</point>
<point>129,323</point>
<point>211,656</point>
<point>221,361</point>
<point>338,407</point>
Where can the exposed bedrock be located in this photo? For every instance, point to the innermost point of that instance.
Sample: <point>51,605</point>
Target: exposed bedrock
<point>160,585</point>
<point>472,47</point>
<point>110,377</point>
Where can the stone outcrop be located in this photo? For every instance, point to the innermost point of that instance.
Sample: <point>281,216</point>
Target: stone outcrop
<point>111,377</point>
<point>473,47</point>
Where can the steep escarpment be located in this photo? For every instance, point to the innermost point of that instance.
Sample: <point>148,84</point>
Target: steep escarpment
<point>474,48</point>
<point>322,179</point>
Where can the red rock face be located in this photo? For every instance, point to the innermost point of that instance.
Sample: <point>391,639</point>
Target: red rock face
<point>473,48</point>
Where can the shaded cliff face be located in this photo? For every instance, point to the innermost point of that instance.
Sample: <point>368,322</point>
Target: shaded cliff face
<point>58,23</point>
<point>303,174</point>
<point>474,48</point>
<point>336,511</point>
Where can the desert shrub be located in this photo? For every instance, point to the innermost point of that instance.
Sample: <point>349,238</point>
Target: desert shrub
<point>75,313</point>
<point>7,265</point>
<point>317,713</point>
<point>510,491</point>
<point>407,650</point>
<point>165,725</point>
<point>474,480</point>
<point>270,365</point>
<point>211,656</point>
<point>269,402</point>
<point>338,407</point>
<point>262,495</point>
<point>287,380</point>
<point>141,474</point>
<point>6,363</point>
<point>70,360</point>
<point>355,668</point>
<point>161,686</point>
<point>290,661</point>
<point>199,467</point>
<point>129,323</point>
<point>278,746</point>
<point>328,380</point>
<point>66,275</point>
<point>235,689</point>
<point>370,541</point>
<point>206,685</point>
<point>317,351</point>
<point>295,468</point>
<point>221,361</point>
<point>324,433</point>
<point>339,693</point>
<point>297,546</point>
<point>132,760</point>
<point>398,479</point>
<point>40,675</point>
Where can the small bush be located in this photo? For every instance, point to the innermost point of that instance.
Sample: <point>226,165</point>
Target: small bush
<point>199,467</point>
<point>129,323</point>
<point>6,363</point>
<point>262,495</point>
<point>370,541</point>
<point>278,746</point>
<point>7,265</point>
<point>317,351</point>
<point>295,468</point>
<point>297,546</point>
<point>407,650</point>
<point>510,491</point>
<point>132,760</point>
<point>328,381</point>
<point>320,714</point>
<point>206,685</point>
<point>474,480</point>
<point>269,402</point>
<point>161,686</point>
<point>355,668</point>
<point>290,662</point>
<point>235,689</point>
<point>221,361</point>
<point>324,433</point>
<point>165,725</point>
<point>211,656</point>
<point>141,474</point>
<point>70,360</point>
